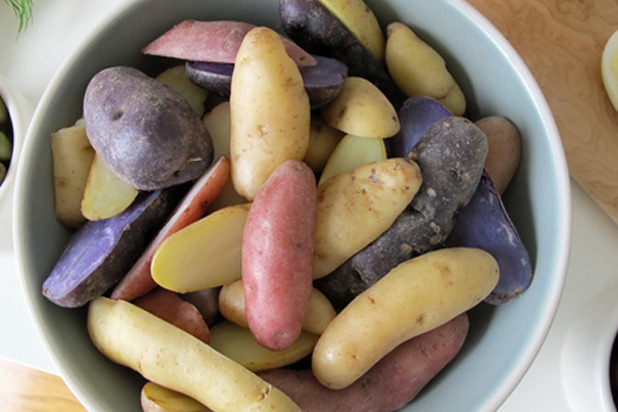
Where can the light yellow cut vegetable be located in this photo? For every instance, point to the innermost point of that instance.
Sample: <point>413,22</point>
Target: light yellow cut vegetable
<point>203,255</point>
<point>414,297</point>
<point>156,398</point>
<point>322,141</point>
<point>419,70</point>
<point>72,157</point>
<point>361,109</point>
<point>105,194</point>
<point>352,152</point>
<point>374,194</point>
<point>269,109</point>
<point>232,307</point>
<point>176,78</point>
<point>361,22</point>
<point>170,357</point>
<point>609,68</point>
<point>238,344</point>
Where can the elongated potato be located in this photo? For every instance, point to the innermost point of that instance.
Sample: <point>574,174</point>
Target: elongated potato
<point>132,337</point>
<point>72,157</point>
<point>232,306</point>
<point>362,109</point>
<point>374,195</point>
<point>269,109</point>
<point>389,385</point>
<point>203,255</point>
<point>105,195</point>
<point>415,297</point>
<point>277,255</point>
<point>418,69</point>
<point>156,398</point>
<point>238,344</point>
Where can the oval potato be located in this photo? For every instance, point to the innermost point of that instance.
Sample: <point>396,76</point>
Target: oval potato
<point>156,398</point>
<point>204,254</point>
<point>416,296</point>
<point>374,194</point>
<point>269,110</point>
<point>362,109</point>
<point>418,69</point>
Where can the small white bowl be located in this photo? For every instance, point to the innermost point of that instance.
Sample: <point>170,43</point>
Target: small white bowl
<point>20,112</point>
<point>502,342</point>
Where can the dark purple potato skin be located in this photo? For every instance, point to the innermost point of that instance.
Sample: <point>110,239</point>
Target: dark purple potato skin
<point>310,25</point>
<point>417,114</point>
<point>144,131</point>
<point>102,251</point>
<point>485,224</point>
<point>451,156</point>
<point>323,81</point>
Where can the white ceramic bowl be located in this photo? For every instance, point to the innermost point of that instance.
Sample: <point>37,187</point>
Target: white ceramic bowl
<point>20,111</point>
<point>503,341</point>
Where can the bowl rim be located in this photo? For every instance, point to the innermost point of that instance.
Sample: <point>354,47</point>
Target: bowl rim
<point>563,189</point>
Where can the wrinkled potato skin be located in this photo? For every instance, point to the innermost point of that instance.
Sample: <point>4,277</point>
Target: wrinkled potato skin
<point>269,109</point>
<point>419,70</point>
<point>375,194</point>
<point>413,298</point>
<point>504,153</point>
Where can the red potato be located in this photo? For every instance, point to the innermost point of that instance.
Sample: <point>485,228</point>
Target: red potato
<point>389,385</point>
<point>213,41</point>
<point>138,280</point>
<point>170,307</point>
<point>277,255</point>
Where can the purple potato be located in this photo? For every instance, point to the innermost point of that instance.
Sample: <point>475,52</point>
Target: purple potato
<point>416,116</point>
<point>102,251</point>
<point>323,81</point>
<point>485,224</point>
<point>144,131</point>
<point>451,156</point>
<point>310,25</point>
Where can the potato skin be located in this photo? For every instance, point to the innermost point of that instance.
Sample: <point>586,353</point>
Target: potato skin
<point>389,385</point>
<point>450,156</point>
<point>270,111</point>
<point>277,255</point>
<point>413,298</point>
<point>145,131</point>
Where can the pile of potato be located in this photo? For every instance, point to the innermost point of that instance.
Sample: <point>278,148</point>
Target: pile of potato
<point>319,202</point>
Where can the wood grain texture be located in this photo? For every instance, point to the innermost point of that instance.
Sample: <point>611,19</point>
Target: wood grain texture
<point>562,41</point>
<point>24,389</point>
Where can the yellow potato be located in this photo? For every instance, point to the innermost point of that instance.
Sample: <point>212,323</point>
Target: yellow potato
<point>72,157</point>
<point>356,207</point>
<point>361,109</point>
<point>322,141</point>
<point>232,306</point>
<point>170,357</point>
<point>418,69</point>
<point>414,297</point>
<point>105,194</point>
<point>176,78</point>
<point>351,152</point>
<point>361,22</point>
<point>203,255</point>
<point>156,398</point>
<point>237,343</point>
<point>269,109</point>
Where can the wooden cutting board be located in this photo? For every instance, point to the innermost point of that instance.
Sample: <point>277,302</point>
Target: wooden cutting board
<point>561,41</point>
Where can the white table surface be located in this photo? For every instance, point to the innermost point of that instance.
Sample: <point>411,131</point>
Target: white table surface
<point>30,59</point>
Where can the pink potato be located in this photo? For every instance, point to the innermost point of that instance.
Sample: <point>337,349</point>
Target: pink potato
<point>213,41</point>
<point>389,385</point>
<point>170,307</point>
<point>138,279</point>
<point>277,255</point>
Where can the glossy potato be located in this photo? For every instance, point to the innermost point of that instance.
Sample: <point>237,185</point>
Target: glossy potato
<point>205,254</point>
<point>444,284</point>
<point>269,108</point>
<point>374,194</point>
